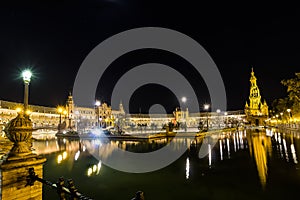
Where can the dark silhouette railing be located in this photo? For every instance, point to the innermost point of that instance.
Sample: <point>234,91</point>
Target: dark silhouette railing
<point>62,191</point>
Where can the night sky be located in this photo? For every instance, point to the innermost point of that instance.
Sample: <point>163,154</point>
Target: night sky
<point>54,37</point>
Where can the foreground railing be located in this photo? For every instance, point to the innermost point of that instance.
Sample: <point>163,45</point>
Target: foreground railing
<point>59,186</point>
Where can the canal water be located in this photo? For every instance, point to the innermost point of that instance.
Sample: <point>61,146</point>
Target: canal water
<point>249,164</point>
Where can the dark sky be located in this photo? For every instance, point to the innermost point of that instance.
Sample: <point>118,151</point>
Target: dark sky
<point>54,37</point>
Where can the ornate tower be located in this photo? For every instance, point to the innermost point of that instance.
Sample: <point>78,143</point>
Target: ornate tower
<point>254,95</point>
<point>121,108</point>
<point>256,111</point>
<point>70,110</point>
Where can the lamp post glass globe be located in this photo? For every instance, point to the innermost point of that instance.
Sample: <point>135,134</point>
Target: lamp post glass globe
<point>98,103</point>
<point>183,99</point>
<point>26,74</point>
<point>206,106</point>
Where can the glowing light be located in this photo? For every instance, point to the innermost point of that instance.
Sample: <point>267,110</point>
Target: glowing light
<point>59,159</point>
<point>77,155</point>
<point>183,99</point>
<point>98,103</point>
<point>187,169</point>
<point>285,150</point>
<point>206,106</point>
<point>269,133</point>
<point>18,109</point>
<point>99,167</point>
<point>209,155</point>
<point>64,156</point>
<point>228,148</point>
<point>94,168</point>
<point>26,74</point>
<point>234,142</point>
<point>221,150</point>
<point>28,112</point>
<point>89,172</point>
<point>293,151</point>
<point>59,110</point>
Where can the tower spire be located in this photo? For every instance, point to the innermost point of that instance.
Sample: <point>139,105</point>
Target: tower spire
<point>256,108</point>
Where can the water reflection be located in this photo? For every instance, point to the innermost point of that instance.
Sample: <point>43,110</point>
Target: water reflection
<point>261,149</point>
<point>187,168</point>
<point>95,169</point>
<point>266,148</point>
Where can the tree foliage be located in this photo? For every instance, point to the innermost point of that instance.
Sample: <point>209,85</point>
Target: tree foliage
<point>292,100</point>
<point>293,88</point>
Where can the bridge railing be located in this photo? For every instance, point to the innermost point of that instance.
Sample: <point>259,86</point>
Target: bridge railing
<point>60,187</point>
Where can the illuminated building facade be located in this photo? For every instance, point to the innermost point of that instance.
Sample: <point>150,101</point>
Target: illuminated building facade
<point>82,119</point>
<point>257,111</point>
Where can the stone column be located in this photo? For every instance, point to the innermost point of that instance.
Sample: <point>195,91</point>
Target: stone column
<point>14,168</point>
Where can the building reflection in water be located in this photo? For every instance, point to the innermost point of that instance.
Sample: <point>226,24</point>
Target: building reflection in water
<point>260,148</point>
<point>228,144</point>
<point>258,143</point>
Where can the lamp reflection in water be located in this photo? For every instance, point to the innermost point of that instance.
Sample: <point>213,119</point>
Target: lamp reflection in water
<point>187,169</point>
<point>77,154</point>
<point>209,155</point>
<point>221,150</point>
<point>228,148</point>
<point>293,151</point>
<point>62,157</point>
<point>260,147</point>
<point>95,169</point>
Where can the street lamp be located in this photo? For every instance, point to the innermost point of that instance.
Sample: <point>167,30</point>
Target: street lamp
<point>218,113</point>
<point>59,110</point>
<point>226,122</point>
<point>97,104</point>
<point>26,74</point>
<point>184,99</point>
<point>206,107</point>
<point>289,111</point>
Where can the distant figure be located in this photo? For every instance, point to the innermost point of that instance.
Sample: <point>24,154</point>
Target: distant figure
<point>139,195</point>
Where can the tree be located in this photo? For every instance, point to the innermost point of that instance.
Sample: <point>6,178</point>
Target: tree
<point>280,105</point>
<point>293,90</point>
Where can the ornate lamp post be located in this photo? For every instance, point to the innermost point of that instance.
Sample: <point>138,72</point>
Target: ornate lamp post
<point>97,104</point>
<point>59,110</point>
<point>14,168</point>
<point>26,74</point>
<point>206,107</point>
<point>218,113</point>
<point>19,129</point>
<point>183,100</point>
<point>289,111</point>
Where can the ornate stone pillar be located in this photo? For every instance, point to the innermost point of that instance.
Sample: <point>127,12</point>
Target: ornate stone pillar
<point>15,166</point>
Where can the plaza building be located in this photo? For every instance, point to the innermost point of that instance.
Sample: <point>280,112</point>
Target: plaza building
<point>82,119</point>
<point>257,110</point>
